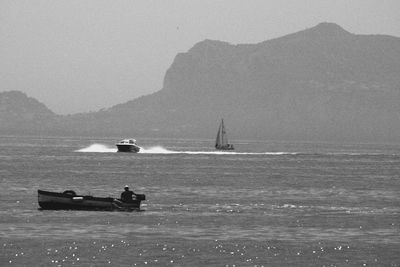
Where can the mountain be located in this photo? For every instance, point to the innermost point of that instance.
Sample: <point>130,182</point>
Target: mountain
<point>20,114</point>
<point>319,84</point>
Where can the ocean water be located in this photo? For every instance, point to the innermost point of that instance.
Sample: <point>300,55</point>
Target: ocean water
<point>266,204</point>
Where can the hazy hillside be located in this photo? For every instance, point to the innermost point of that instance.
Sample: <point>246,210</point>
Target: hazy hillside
<point>322,83</point>
<point>20,114</point>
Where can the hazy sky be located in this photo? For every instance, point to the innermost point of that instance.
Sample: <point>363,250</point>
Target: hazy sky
<point>83,55</point>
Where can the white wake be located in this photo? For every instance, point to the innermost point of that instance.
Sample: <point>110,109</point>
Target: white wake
<point>101,148</point>
<point>97,148</point>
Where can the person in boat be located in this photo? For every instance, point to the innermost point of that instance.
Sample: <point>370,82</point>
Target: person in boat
<point>126,196</point>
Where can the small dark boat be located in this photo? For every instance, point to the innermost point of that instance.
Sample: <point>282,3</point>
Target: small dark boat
<point>128,145</point>
<point>69,200</point>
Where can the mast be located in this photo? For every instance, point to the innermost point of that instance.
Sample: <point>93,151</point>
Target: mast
<point>224,139</point>
<point>218,140</point>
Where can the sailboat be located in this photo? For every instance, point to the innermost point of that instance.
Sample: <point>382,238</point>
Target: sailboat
<point>221,143</point>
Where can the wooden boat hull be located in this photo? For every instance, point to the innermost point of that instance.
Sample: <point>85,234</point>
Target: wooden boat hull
<point>70,201</point>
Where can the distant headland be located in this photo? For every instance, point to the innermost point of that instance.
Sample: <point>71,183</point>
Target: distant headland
<point>320,84</point>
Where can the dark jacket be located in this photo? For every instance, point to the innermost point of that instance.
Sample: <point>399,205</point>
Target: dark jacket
<point>126,196</point>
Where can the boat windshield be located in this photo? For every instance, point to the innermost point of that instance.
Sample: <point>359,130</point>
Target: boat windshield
<point>128,141</point>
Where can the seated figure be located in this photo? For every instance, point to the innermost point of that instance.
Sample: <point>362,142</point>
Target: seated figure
<point>126,196</point>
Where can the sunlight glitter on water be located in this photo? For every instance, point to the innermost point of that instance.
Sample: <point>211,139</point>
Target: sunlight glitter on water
<point>240,209</point>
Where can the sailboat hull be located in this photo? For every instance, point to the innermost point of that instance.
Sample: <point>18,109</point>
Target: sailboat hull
<point>227,147</point>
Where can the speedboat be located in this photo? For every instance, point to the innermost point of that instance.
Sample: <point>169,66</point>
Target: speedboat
<point>69,200</point>
<point>128,145</point>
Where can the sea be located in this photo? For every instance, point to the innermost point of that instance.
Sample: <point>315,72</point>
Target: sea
<point>267,203</point>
